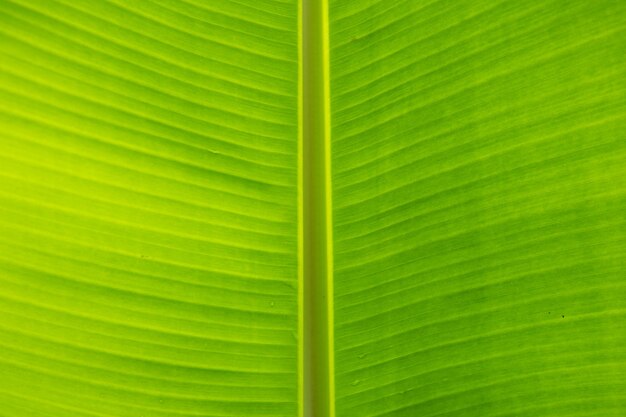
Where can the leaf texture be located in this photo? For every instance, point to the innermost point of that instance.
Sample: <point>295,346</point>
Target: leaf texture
<point>150,236</point>
<point>149,208</point>
<point>479,173</point>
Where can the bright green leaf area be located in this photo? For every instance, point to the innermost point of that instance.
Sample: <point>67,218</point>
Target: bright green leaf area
<point>148,208</point>
<point>151,208</point>
<point>479,191</point>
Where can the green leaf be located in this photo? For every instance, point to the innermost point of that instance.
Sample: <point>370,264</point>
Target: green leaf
<point>479,190</point>
<point>148,208</point>
<point>315,208</point>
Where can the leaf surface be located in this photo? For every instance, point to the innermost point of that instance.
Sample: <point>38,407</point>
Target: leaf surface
<point>148,208</point>
<point>479,172</point>
<point>151,207</point>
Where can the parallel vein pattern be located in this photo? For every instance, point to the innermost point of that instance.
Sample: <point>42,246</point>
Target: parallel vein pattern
<point>479,190</point>
<point>148,208</point>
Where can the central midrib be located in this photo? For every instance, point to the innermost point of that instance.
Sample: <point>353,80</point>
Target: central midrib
<point>318,372</point>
